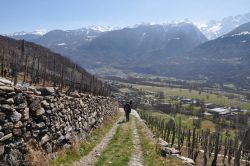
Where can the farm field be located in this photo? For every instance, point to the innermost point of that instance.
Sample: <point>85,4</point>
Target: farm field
<point>207,97</point>
<point>187,121</point>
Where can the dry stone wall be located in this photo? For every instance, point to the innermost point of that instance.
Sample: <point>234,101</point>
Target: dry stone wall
<point>47,118</point>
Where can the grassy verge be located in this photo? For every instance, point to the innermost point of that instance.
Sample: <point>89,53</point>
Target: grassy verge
<point>151,157</point>
<point>79,150</point>
<point>119,149</point>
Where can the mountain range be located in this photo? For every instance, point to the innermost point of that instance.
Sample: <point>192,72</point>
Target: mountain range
<point>211,29</point>
<point>222,60</point>
<point>125,47</point>
<point>216,28</point>
<point>178,50</point>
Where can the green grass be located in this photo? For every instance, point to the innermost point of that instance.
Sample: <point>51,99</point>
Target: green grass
<point>246,106</point>
<point>82,149</point>
<point>186,121</point>
<point>66,158</point>
<point>207,124</point>
<point>119,149</point>
<point>151,157</point>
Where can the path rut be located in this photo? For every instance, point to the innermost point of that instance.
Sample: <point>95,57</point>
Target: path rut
<point>92,157</point>
<point>137,156</point>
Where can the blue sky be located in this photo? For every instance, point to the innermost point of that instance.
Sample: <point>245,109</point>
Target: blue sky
<point>29,15</point>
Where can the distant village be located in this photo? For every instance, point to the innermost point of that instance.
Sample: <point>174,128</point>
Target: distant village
<point>149,99</point>
<point>211,108</point>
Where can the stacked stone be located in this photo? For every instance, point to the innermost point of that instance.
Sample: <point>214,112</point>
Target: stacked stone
<point>47,118</point>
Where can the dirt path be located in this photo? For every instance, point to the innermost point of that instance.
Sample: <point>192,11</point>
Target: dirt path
<point>137,156</point>
<point>92,157</point>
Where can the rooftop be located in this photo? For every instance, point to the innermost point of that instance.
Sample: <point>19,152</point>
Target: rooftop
<point>221,111</point>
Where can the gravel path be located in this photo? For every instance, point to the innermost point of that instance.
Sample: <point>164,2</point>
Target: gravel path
<point>137,156</point>
<point>92,157</point>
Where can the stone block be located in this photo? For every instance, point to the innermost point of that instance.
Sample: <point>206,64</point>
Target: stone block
<point>6,137</point>
<point>15,116</point>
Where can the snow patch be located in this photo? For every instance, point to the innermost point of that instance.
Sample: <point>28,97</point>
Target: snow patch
<point>100,28</point>
<point>176,38</point>
<point>61,44</point>
<point>215,28</point>
<point>241,33</point>
<point>40,32</point>
<point>200,25</point>
<point>211,30</point>
<point>89,38</point>
<point>243,41</point>
<point>16,33</point>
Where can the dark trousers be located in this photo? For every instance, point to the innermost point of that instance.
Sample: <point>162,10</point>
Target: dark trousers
<point>127,116</point>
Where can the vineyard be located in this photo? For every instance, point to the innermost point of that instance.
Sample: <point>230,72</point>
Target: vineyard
<point>27,62</point>
<point>203,146</point>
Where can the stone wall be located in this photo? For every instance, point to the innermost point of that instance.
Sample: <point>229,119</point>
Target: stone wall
<point>47,118</point>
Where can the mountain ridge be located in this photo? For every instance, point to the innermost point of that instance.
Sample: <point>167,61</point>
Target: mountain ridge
<point>211,29</point>
<point>124,46</point>
<point>216,28</point>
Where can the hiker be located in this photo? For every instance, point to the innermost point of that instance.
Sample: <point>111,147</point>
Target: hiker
<point>127,109</point>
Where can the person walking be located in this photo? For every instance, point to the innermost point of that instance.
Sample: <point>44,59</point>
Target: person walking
<point>127,109</point>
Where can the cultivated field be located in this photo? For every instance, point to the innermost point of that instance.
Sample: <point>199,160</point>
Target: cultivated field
<point>207,97</point>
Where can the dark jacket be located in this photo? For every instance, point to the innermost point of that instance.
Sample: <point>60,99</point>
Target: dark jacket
<point>127,108</point>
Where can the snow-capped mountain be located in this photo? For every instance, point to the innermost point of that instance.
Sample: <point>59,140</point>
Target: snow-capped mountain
<point>97,45</point>
<point>224,59</point>
<point>217,28</point>
<point>30,36</point>
<point>134,47</point>
<point>60,36</point>
<point>102,28</point>
<point>39,32</point>
<point>42,32</point>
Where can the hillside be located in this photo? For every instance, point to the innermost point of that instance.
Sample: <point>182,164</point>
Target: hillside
<point>129,48</point>
<point>28,62</point>
<point>224,60</point>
